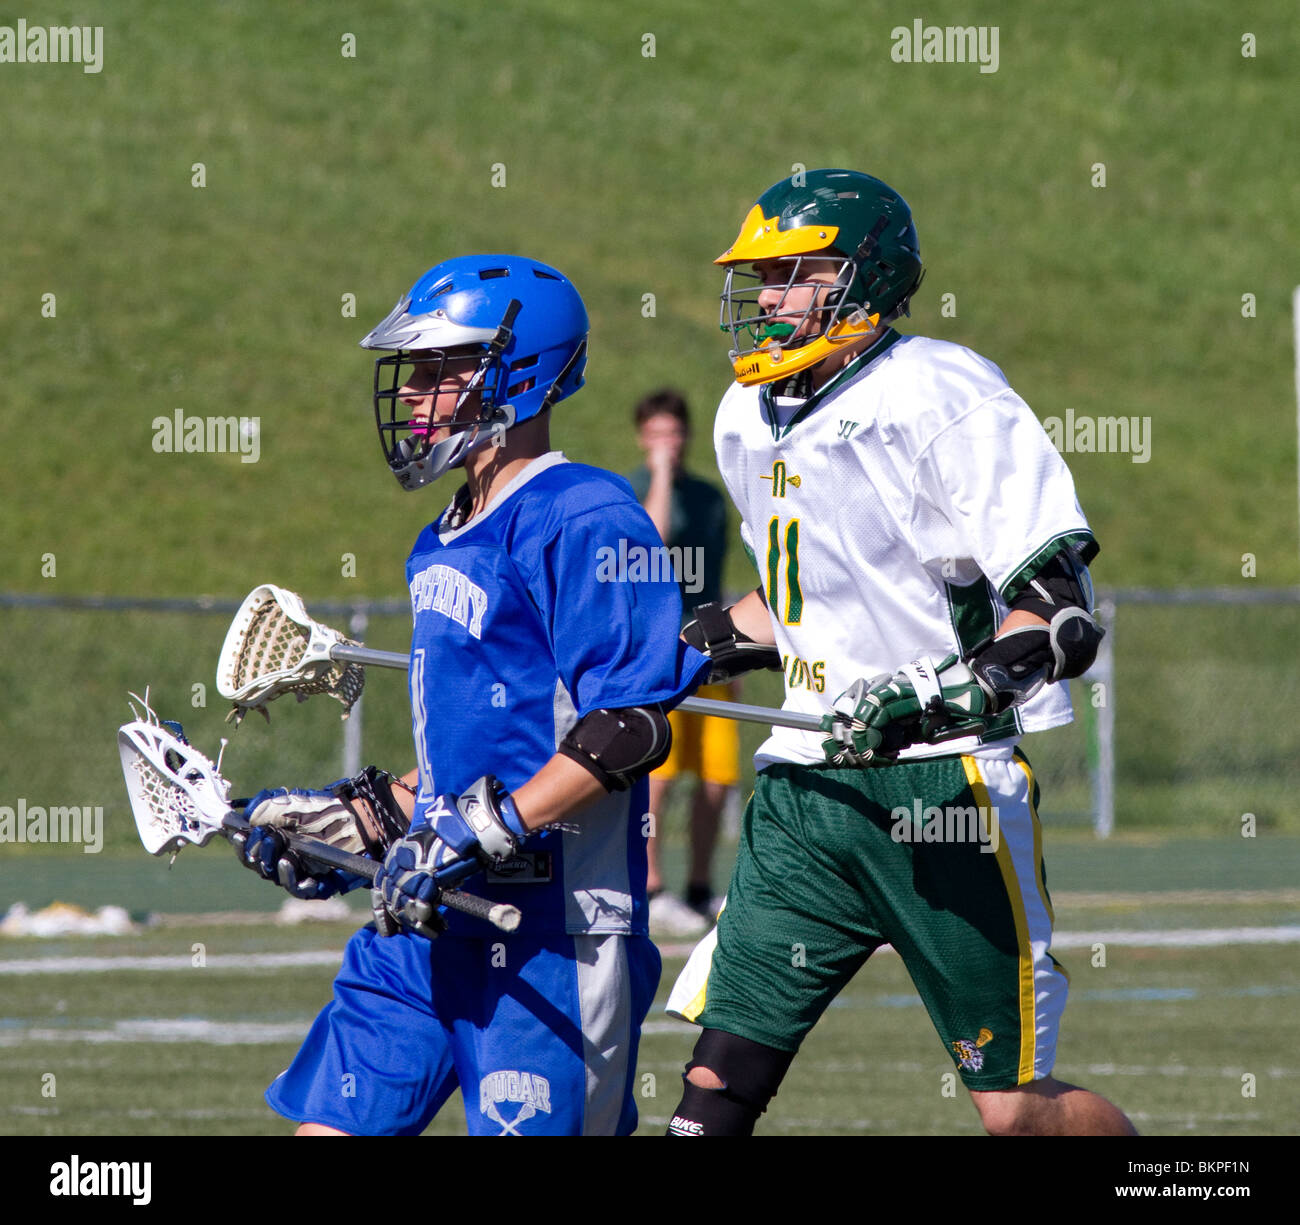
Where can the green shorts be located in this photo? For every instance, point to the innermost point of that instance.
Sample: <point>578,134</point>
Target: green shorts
<point>941,859</point>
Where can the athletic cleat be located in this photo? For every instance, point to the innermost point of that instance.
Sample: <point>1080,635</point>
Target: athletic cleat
<point>670,916</point>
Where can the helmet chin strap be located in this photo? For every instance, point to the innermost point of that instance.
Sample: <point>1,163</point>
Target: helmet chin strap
<point>416,470</point>
<point>797,386</point>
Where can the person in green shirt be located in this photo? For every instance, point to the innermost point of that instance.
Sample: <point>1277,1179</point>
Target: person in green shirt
<point>691,516</point>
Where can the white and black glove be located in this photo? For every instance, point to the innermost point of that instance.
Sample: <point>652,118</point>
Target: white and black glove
<point>359,815</point>
<point>457,836</point>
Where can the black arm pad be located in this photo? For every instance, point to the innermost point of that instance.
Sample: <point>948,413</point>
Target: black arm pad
<point>713,633</point>
<point>619,746</point>
<point>388,822</point>
<point>1016,665</point>
<point>1063,582</point>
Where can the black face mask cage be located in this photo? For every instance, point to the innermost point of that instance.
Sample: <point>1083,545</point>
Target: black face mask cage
<point>393,418</point>
<point>758,327</point>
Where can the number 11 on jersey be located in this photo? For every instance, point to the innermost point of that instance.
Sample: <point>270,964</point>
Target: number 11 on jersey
<point>793,593</point>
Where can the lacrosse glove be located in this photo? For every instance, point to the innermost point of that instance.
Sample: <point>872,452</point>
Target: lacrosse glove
<point>458,836</point>
<point>358,815</point>
<point>732,653</point>
<point>924,702</point>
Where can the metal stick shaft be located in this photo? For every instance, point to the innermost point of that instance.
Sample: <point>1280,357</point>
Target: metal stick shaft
<point>499,915</point>
<point>369,657</point>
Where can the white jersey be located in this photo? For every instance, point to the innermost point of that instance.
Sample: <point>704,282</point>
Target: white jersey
<point>893,515</point>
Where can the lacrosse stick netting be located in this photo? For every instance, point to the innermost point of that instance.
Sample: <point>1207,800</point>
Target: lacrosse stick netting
<point>348,658</point>
<point>273,647</point>
<point>178,797</point>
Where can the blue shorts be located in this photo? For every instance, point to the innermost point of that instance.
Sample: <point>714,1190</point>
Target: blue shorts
<point>539,1033</point>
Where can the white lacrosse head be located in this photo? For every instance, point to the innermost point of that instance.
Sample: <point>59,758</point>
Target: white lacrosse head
<point>177,795</point>
<point>273,647</point>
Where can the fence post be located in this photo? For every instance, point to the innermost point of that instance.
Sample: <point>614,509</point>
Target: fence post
<point>1103,769</point>
<point>352,725</point>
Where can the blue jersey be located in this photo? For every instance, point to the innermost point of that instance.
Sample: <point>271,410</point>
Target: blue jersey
<point>521,627</point>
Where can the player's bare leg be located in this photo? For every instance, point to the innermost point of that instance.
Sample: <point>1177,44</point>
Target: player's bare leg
<point>1050,1107</point>
<point>669,915</point>
<point>706,814</point>
<point>318,1129</point>
<point>658,794</point>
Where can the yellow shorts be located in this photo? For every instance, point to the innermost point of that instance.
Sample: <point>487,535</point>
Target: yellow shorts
<point>703,745</point>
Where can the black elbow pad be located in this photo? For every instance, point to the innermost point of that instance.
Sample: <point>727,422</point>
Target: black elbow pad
<point>1016,665</point>
<point>619,746</point>
<point>1061,593</point>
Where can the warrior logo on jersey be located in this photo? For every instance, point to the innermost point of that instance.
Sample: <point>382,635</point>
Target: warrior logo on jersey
<point>847,427</point>
<point>779,479</point>
<point>530,1091</point>
<point>445,590</point>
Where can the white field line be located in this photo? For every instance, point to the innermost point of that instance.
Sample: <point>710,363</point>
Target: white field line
<point>155,1030</point>
<point>839,1068</point>
<point>1179,938</point>
<point>891,1127</point>
<point>1068,898</point>
<point>1183,938</point>
<point>217,961</point>
<point>1184,1070</point>
<point>237,1032</point>
<point>140,1112</point>
<point>1063,900</point>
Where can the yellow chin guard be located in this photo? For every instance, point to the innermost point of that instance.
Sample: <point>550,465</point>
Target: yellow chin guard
<point>772,361</point>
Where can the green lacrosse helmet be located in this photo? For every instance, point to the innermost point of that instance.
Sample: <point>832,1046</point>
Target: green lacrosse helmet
<point>841,220</point>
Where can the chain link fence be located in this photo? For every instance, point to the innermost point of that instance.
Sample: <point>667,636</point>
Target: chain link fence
<point>1187,720</point>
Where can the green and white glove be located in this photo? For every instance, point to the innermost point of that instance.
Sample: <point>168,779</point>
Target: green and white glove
<point>924,702</point>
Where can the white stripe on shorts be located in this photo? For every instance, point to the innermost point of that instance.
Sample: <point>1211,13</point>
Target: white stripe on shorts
<point>1007,781</point>
<point>605,1006</point>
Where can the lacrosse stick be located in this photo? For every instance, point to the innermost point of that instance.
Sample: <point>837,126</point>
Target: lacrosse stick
<point>273,647</point>
<point>179,797</point>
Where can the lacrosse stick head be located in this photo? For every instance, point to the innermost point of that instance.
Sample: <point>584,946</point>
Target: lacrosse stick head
<point>273,647</point>
<point>177,795</point>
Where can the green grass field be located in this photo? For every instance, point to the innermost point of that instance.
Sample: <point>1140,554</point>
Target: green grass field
<point>1168,1031</point>
<point>330,181</point>
<point>329,175</point>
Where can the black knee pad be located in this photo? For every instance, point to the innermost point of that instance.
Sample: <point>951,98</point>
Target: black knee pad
<point>750,1073</point>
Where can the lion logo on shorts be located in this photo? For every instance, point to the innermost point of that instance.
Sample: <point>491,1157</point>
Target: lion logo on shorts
<point>969,1056</point>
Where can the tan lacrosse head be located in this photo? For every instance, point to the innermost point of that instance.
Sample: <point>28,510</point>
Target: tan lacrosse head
<point>273,647</point>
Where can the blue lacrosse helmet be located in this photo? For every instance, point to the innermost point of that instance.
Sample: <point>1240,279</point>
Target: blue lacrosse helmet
<point>525,323</point>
